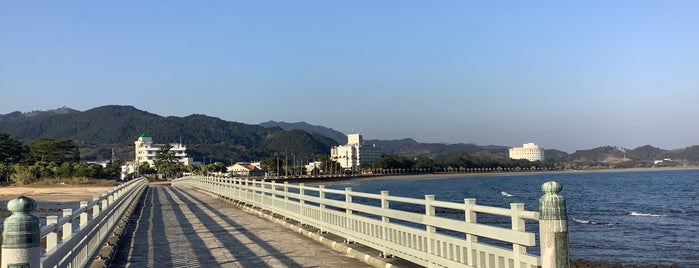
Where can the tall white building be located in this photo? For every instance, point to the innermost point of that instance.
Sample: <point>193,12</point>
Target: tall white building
<point>146,150</point>
<point>529,151</point>
<point>354,155</point>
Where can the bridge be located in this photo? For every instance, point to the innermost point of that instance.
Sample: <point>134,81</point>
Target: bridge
<point>233,222</point>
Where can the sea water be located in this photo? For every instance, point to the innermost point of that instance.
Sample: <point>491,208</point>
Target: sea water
<point>632,217</point>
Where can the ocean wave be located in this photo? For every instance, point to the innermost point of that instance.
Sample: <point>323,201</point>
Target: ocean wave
<point>506,194</point>
<point>634,213</point>
<point>591,222</point>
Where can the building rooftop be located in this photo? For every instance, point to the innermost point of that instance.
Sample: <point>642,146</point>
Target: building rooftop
<point>145,135</point>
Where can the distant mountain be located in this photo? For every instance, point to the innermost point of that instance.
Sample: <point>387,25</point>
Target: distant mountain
<point>556,155</point>
<point>97,131</point>
<point>643,156</point>
<point>646,153</point>
<point>339,137</point>
<point>297,140</point>
<point>412,148</point>
<point>113,128</point>
<point>690,153</point>
<point>19,116</point>
<point>405,147</point>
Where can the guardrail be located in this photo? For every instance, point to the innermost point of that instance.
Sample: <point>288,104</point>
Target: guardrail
<point>73,240</point>
<point>427,238</point>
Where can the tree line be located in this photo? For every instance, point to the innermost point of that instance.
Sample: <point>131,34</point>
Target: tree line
<point>458,163</point>
<point>47,158</point>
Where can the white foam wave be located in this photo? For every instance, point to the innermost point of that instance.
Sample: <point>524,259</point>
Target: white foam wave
<point>591,222</point>
<point>582,221</point>
<point>506,194</point>
<point>634,213</point>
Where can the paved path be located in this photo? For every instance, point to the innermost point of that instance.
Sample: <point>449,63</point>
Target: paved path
<point>187,228</point>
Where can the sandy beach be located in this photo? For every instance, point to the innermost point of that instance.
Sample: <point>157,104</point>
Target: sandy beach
<point>56,193</point>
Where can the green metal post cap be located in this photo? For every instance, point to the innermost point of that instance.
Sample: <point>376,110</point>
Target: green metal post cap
<point>552,206</point>
<point>21,229</point>
<point>21,204</point>
<point>551,187</point>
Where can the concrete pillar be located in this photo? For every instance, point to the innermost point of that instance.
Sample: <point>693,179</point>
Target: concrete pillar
<point>553,227</point>
<point>21,236</point>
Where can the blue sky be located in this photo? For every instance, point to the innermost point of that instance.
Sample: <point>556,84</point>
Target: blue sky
<point>563,74</point>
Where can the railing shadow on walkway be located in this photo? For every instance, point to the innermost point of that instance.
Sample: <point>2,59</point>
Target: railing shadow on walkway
<point>228,240</point>
<point>158,251</point>
<point>142,254</point>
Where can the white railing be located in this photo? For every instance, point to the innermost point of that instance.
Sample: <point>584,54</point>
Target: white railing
<point>425,238</point>
<point>79,248</point>
<point>75,239</point>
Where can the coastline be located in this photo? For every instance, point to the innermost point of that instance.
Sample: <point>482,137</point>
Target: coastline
<point>380,177</point>
<point>68,193</point>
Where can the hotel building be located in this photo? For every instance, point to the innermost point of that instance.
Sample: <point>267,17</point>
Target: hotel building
<point>146,150</point>
<point>354,155</point>
<point>529,151</point>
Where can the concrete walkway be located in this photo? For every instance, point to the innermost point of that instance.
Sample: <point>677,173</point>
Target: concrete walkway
<point>179,228</point>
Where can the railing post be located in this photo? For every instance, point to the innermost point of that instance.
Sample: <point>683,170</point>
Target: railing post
<point>518,224</point>
<point>52,237</point>
<point>274,197</point>
<point>472,240</point>
<point>83,216</point>
<point>95,207</point>
<point>68,226</point>
<point>430,212</point>
<point>21,237</point>
<point>321,195</point>
<point>263,206</point>
<point>553,227</point>
<point>348,221</point>
<point>286,200</point>
<point>302,204</point>
<point>385,220</point>
<point>105,204</point>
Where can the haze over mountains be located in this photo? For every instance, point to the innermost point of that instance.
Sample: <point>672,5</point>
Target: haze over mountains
<point>101,130</point>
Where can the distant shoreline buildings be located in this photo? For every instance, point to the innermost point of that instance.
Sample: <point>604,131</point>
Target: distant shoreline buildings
<point>354,154</point>
<point>529,151</point>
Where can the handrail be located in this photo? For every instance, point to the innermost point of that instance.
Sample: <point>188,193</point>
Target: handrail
<point>82,247</point>
<point>78,245</point>
<point>416,237</point>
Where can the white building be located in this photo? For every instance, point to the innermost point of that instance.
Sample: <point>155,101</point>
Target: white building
<point>354,154</point>
<point>146,150</point>
<point>314,168</point>
<point>529,151</point>
<point>246,169</point>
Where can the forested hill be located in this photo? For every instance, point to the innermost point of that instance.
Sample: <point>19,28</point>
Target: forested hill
<point>613,156</point>
<point>97,131</point>
<point>312,129</point>
<point>20,116</point>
